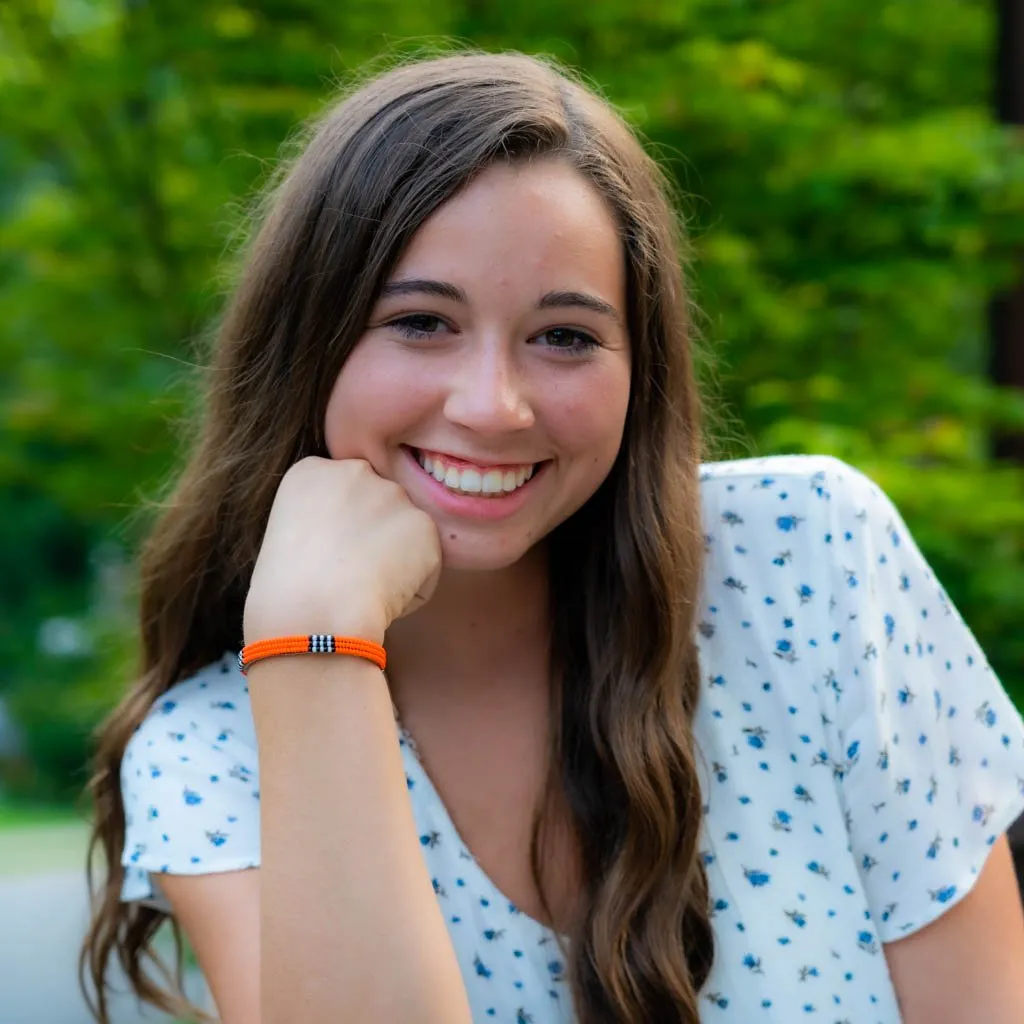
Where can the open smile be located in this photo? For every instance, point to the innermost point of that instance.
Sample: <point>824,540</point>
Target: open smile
<point>474,489</point>
<point>460,476</point>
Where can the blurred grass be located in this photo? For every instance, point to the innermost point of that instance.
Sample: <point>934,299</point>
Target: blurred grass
<point>40,848</point>
<point>26,815</point>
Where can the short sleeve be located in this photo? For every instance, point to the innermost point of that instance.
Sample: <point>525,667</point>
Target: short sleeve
<point>189,780</point>
<point>928,749</point>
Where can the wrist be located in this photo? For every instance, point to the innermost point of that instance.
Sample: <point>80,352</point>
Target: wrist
<point>362,626</point>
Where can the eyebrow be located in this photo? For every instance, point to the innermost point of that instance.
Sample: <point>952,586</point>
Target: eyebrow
<point>551,300</point>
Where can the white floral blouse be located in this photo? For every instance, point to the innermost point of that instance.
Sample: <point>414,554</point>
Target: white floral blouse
<point>859,759</point>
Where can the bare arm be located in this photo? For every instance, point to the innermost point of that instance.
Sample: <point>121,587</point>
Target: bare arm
<point>220,914</point>
<point>969,964</point>
<point>350,926</point>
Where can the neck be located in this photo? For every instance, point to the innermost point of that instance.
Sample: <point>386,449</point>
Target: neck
<point>481,639</point>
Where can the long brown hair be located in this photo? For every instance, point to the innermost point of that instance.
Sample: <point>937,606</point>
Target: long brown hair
<point>625,570</point>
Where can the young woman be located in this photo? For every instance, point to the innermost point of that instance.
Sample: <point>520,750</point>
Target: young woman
<point>654,741</point>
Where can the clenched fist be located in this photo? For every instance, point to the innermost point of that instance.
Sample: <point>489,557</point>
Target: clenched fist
<point>345,552</point>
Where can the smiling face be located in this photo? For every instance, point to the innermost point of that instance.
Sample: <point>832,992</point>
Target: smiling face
<point>492,380</point>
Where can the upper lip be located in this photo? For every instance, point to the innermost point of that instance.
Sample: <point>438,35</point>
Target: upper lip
<point>478,463</point>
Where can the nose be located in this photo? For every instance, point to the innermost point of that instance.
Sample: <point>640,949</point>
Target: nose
<point>487,393</point>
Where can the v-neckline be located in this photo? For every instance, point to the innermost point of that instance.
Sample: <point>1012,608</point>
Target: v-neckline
<point>446,820</point>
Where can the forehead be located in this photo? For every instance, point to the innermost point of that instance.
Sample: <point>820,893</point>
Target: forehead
<point>522,224</point>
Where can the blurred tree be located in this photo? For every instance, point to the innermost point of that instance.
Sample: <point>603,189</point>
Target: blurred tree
<point>852,205</point>
<point>1007,311</point>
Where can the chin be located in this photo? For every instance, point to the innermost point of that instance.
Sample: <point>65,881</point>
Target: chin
<point>478,554</point>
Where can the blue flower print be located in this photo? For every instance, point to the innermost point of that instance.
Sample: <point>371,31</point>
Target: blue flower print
<point>753,963</point>
<point>986,714</point>
<point>757,878</point>
<point>943,895</point>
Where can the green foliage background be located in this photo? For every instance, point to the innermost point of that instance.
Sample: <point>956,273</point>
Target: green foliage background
<point>852,206</point>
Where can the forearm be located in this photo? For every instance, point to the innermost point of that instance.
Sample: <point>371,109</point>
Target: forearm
<point>350,926</point>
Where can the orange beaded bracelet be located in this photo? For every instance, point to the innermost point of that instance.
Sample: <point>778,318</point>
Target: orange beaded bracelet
<point>314,643</point>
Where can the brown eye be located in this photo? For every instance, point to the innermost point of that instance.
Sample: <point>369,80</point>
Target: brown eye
<point>417,325</point>
<point>569,339</point>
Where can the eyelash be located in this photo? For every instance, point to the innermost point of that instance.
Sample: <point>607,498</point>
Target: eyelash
<point>404,325</point>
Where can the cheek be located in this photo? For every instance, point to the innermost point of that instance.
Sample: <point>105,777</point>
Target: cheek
<point>591,420</point>
<point>372,401</point>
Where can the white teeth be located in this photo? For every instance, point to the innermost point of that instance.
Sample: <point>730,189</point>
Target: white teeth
<point>473,481</point>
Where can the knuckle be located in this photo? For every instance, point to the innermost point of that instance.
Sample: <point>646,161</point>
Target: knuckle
<point>304,467</point>
<point>428,531</point>
<point>394,493</point>
<point>347,468</point>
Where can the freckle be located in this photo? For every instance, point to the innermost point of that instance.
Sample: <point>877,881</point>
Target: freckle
<point>452,536</point>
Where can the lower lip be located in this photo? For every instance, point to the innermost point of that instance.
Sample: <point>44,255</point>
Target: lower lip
<point>470,506</point>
